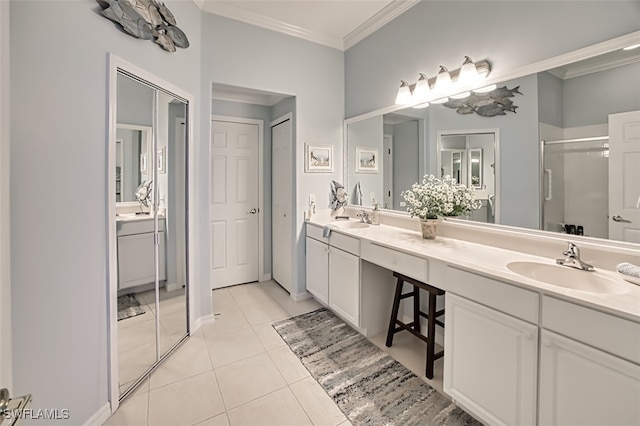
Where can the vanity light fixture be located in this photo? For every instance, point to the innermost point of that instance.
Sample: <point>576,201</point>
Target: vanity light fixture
<point>468,73</point>
<point>635,46</point>
<point>445,85</point>
<point>420,106</point>
<point>404,94</point>
<point>422,90</point>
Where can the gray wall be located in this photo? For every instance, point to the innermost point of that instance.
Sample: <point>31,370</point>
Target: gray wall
<point>591,98</point>
<point>273,62</point>
<point>508,34</point>
<point>365,134</point>
<point>406,159</point>
<point>135,102</point>
<point>550,99</point>
<point>58,193</point>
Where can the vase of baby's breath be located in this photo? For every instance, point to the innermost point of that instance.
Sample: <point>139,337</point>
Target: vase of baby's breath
<point>434,198</point>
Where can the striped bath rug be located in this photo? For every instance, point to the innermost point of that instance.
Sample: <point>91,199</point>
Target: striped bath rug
<point>369,386</point>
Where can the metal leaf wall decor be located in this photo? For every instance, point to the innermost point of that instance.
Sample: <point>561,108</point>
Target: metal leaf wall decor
<point>146,19</point>
<point>490,104</point>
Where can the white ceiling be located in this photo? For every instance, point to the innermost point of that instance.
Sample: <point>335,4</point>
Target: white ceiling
<point>336,23</point>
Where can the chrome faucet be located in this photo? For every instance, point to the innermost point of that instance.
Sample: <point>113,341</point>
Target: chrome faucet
<point>573,260</point>
<point>364,217</point>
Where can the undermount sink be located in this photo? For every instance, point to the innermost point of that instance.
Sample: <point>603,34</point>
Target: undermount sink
<point>571,278</point>
<point>350,224</point>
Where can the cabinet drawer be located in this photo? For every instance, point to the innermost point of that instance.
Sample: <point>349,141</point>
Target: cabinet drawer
<point>615,335</point>
<point>502,296</point>
<point>346,243</point>
<point>315,232</point>
<point>406,264</point>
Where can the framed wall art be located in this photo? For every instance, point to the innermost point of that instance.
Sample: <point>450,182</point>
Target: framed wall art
<point>366,160</point>
<point>318,158</point>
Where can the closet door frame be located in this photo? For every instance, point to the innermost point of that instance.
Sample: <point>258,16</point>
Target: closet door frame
<point>116,63</point>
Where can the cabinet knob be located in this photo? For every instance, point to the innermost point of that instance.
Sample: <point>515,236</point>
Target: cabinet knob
<point>528,336</point>
<point>547,343</point>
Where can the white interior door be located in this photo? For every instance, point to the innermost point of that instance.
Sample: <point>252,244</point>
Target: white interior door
<point>282,215</point>
<point>624,176</point>
<point>234,203</point>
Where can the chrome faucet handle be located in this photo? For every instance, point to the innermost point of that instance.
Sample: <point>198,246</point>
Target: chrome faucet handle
<point>572,250</point>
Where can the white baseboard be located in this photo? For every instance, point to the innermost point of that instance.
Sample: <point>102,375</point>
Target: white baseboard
<point>299,297</point>
<point>100,416</point>
<point>173,287</point>
<point>265,277</point>
<point>199,322</point>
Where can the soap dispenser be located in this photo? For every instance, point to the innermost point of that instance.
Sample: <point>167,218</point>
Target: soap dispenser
<point>375,214</point>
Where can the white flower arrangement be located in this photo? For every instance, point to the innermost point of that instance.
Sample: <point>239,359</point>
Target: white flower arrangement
<point>434,198</point>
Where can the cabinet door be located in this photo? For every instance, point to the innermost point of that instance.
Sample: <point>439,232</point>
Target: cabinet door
<point>490,362</point>
<point>344,284</point>
<point>318,269</point>
<point>580,385</point>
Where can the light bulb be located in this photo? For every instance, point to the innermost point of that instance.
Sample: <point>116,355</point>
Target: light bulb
<point>404,94</point>
<point>443,84</point>
<point>468,73</point>
<point>422,90</point>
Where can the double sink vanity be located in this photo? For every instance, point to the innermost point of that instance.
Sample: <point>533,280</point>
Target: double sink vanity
<point>526,341</point>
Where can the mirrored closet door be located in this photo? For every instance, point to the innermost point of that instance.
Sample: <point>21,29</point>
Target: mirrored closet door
<point>151,226</point>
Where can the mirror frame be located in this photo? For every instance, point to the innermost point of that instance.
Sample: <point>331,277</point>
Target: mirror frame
<point>596,49</point>
<point>116,63</point>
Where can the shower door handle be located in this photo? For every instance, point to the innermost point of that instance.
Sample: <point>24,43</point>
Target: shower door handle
<point>549,195</point>
<point>617,218</point>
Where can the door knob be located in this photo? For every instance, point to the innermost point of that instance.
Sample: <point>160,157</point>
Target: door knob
<point>252,211</point>
<point>617,218</point>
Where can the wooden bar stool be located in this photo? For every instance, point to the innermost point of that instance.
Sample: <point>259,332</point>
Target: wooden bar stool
<point>414,327</point>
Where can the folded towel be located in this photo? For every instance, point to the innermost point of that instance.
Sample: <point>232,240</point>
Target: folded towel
<point>326,231</point>
<point>357,195</point>
<point>629,269</point>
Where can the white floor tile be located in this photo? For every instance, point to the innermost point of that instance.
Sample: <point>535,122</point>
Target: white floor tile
<point>264,312</point>
<point>288,364</point>
<point>189,360</point>
<point>276,409</point>
<point>132,412</point>
<point>316,403</point>
<point>248,379</point>
<point>248,294</point>
<point>141,334</point>
<point>219,420</point>
<point>186,402</point>
<point>231,347</point>
<point>222,301</point>
<point>134,362</point>
<point>226,322</point>
<point>268,336</point>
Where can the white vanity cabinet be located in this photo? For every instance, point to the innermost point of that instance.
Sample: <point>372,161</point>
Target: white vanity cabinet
<point>136,259</point>
<point>490,358</point>
<point>333,272</point>
<point>318,269</point>
<point>589,375</point>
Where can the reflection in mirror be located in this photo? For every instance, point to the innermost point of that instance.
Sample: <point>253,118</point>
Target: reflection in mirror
<point>151,278</point>
<point>470,159</point>
<point>577,100</point>
<point>133,151</point>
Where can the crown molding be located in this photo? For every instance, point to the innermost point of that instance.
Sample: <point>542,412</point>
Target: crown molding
<point>377,21</point>
<point>249,17</point>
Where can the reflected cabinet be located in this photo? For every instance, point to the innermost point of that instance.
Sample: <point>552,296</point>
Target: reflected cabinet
<point>150,132</point>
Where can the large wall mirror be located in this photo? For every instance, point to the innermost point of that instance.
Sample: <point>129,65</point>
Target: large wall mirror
<point>559,146</point>
<point>149,287</point>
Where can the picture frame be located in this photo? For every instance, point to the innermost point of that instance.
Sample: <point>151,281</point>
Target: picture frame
<point>367,160</point>
<point>318,158</point>
<point>162,160</point>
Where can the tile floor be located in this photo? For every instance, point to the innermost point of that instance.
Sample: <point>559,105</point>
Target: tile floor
<point>238,371</point>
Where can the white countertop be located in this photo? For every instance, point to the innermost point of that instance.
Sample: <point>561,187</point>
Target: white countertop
<point>492,262</point>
